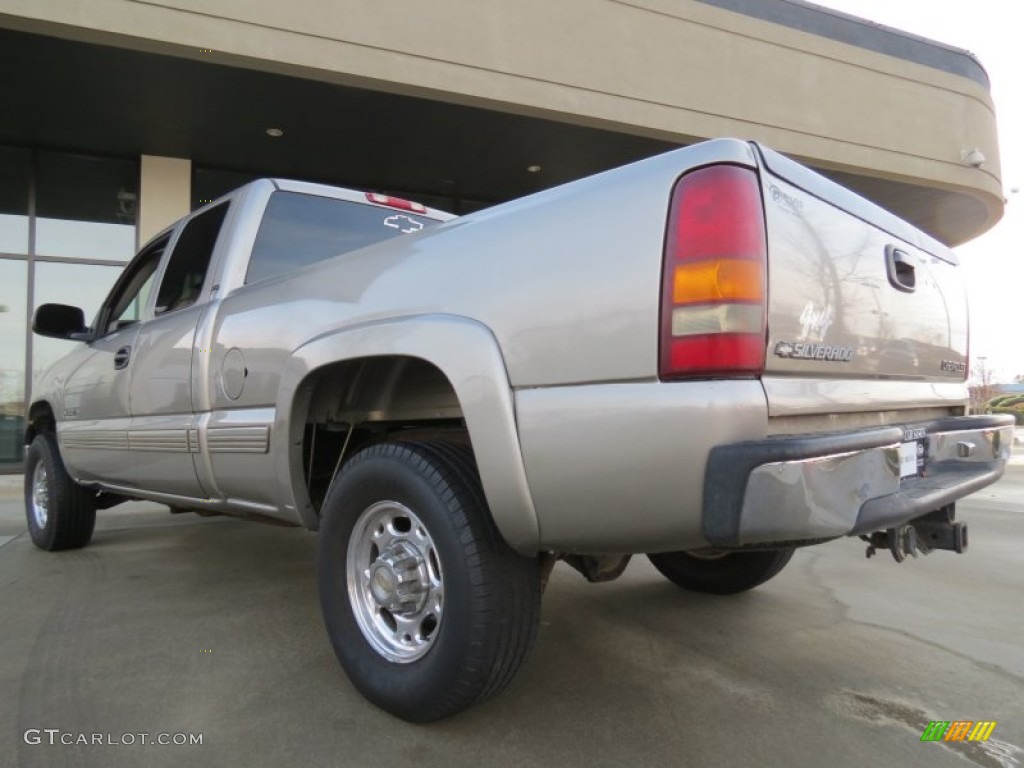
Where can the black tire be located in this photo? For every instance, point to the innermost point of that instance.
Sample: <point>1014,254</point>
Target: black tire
<point>61,514</point>
<point>723,573</point>
<point>488,603</point>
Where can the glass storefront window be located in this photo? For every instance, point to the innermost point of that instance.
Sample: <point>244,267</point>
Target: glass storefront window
<point>81,285</point>
<point>15,166</point>
<point>13,295</point>
<point>61,216</point>
<point>85,207</point>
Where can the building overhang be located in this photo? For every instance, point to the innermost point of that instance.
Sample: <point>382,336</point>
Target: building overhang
<point>463,111</point>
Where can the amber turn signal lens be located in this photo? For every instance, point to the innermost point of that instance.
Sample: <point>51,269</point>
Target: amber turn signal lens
<point>705,282</point>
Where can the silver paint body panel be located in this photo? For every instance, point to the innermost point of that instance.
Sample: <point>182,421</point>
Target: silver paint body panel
<point>620,467</point>
<point>829,285</point>
<point>543,315</point>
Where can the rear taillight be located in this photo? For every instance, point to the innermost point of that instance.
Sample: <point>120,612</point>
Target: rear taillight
<point>714,283</point>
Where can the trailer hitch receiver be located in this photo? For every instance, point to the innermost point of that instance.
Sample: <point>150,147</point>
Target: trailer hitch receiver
<point>936,530</point>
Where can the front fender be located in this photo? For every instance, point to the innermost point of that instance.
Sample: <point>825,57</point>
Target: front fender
<point>468,355</point>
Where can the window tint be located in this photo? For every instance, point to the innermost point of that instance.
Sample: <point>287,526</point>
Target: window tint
<point>13,297</point>
<point>299,229</point>
<point>124,307</point>
<point>85,206</point>
<point>130,311</point>
<point>186,271</point>
<point>15,167</point>
<point>83,285</point>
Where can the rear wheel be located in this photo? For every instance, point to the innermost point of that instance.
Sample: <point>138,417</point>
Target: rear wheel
<point>720,572</point>
<point>61,514</point>
<point>428,609</point>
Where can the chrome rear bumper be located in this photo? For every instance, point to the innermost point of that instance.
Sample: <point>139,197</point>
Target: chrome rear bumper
<point>816,487</point>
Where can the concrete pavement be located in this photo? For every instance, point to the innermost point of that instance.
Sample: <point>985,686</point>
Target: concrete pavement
<point>180,624</point>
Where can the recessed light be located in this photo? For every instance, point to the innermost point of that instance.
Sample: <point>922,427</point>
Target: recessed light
<point>276,133</point>
<point>533,168</point>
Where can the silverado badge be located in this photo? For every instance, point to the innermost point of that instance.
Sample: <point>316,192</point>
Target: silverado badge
<point>805,351</point>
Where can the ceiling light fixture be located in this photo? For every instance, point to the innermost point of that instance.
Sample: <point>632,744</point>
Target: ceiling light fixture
<point>275,133</point>
<point>533,168</point>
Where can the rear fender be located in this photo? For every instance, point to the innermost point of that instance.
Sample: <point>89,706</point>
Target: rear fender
<point>468,355</point>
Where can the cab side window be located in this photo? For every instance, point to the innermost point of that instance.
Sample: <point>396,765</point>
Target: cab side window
<point>183,279</point>
<point>129,295</point>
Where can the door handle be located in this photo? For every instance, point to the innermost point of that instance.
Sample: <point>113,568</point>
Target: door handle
<point>900,267</point>
<point>121,358</point>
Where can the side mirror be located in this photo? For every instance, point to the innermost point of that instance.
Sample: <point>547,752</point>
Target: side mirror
<point>61,322</point>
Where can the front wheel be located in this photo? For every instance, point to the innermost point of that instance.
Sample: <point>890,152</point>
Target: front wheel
<point>720,572</point>
<point>428,609</point>
<point>61,514</point>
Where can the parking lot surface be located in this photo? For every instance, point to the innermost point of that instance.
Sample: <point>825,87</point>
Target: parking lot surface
<point>176,624</point>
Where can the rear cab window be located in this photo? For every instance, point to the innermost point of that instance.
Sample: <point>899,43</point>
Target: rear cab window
<point>300,229</point>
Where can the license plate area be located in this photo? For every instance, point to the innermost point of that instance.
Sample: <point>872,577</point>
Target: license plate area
<point>912,453</point>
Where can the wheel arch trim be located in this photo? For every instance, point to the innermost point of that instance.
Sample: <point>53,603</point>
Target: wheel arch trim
<point>37,410</point>
<point>467,353</point>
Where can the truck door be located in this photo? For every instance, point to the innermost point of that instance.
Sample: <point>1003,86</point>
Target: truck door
<point>96,413</point>
<point>163,435</point>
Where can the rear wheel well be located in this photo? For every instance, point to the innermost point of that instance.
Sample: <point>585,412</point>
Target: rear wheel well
<point>348,405</point>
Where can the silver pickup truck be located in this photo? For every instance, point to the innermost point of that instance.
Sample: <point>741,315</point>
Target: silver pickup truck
<point>711,357</point>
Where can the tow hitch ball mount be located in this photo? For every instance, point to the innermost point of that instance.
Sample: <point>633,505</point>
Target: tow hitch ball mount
<point>936,530</point>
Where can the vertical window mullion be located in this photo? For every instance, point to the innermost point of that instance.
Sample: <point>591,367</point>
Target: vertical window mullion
<point>30,303</point>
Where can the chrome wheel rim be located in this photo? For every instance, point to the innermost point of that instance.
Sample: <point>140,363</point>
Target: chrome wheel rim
<point>395,584</point>
<point>40,496</point>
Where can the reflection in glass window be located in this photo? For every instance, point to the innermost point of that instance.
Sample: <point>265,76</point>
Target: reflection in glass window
<point>128,303</point>
<point>13,292</point>
<point>130,311</point>
<point>81,285</point>
<point>186,270</point>
<point>299,229</point>
<point>13,233</point>
<point>85,207</point>
<point>14,175</point>
<point>84,239</point>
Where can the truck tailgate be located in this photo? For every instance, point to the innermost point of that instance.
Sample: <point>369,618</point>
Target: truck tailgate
<point>864,311</point>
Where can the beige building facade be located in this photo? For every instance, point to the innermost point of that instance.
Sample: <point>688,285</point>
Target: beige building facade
<point>122,115</point>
